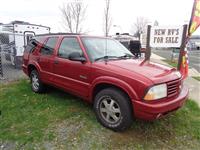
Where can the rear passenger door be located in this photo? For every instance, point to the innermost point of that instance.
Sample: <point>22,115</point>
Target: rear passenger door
<point>30,47</point>
<point>46,59</point>
<point>71,75</point>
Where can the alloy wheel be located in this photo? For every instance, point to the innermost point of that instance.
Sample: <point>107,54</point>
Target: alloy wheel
<point>110,110</point>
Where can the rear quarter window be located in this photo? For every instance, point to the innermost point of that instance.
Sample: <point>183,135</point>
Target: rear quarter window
<point>33,43</point>
<point>49,46</point>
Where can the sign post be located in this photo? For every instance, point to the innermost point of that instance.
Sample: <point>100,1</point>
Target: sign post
<point>1,67</point>
<point>176,37</point>
<point>182,47</point>
<point>167,37</point>
<point>148,48</point>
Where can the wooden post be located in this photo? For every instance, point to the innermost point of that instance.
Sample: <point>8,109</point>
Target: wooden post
<point>1,67</point>
<point>182,48</point>
<point>148,48</point>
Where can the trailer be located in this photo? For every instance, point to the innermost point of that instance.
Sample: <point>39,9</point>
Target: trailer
<point>16,35</point>
<point>124,38</point>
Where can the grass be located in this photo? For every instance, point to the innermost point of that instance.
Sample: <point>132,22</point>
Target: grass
<point>196,77</point>
<point>173,64</point>
<point>60,121</point>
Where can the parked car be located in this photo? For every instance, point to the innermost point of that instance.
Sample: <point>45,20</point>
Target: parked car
<point>103,72</point>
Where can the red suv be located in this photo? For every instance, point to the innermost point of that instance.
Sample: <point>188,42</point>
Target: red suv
<point>103,72</point>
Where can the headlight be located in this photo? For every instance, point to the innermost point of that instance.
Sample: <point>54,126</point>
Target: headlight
<point>178,74</point>
<point>156,92</point>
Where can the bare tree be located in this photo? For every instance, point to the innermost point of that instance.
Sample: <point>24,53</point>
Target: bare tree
<point>73,14</point>
<point>140,26</point>
<point>107,18</point>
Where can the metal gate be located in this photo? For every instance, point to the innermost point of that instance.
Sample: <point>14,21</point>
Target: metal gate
<point>10,66</point>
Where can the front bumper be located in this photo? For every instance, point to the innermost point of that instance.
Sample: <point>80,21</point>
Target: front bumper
<point>150,111</point>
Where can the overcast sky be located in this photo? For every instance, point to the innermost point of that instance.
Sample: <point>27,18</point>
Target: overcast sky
<point>124,13</point>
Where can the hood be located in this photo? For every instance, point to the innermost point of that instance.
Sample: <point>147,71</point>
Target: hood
<point>150,70</point>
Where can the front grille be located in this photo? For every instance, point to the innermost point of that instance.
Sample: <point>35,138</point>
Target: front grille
<point>173,87</point>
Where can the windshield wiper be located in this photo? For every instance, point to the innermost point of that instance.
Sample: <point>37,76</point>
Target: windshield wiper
<point>105,58</point>
<point>126,56</point>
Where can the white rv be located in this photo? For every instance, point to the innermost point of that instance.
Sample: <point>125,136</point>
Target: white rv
<point>124,38</point>
<point>18,34</point>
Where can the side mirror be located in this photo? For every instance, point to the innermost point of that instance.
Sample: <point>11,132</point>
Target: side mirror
<point>75,56</point>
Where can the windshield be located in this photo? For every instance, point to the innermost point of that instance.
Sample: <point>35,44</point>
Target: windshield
<point>104,48</point>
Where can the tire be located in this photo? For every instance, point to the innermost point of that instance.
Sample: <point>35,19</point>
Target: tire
<point>36,84</point>
<point>112,109</point>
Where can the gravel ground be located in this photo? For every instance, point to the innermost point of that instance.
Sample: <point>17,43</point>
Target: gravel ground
<point>10,73</point>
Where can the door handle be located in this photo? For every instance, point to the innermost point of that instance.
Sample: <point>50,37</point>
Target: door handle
<point>56,61</point>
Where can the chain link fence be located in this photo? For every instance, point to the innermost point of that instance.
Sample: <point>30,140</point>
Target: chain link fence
<point>11,51</point>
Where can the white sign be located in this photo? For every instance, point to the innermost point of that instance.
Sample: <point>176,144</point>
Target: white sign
<point>166,36</point>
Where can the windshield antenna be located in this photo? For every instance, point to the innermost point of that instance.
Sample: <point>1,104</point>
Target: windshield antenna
<point>105,52</point>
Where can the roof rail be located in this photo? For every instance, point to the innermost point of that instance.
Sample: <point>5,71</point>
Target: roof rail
<point>59,33</point>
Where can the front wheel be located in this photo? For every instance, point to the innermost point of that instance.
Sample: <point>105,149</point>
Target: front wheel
<point>112,109</point>
<point>36,84</point>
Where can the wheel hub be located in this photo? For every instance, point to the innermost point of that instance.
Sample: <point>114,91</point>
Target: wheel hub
<point>35,82</point>
<point>110,110</point>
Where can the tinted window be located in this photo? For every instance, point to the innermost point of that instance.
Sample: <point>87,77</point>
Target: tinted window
<point>100,47</point>
<point>31,45</point>
<point>49,46</point>
<point>68,46</point>
<point>34,42</point>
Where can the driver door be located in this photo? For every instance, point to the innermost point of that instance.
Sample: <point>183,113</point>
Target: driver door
<point>71,75</point>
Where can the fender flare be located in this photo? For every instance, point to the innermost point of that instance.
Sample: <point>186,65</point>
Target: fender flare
<point>36,65</point>
<point>116,82</point>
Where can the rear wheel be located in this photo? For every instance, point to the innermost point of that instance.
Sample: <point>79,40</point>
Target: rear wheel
<point>36,84</point>
<point>112,109</point>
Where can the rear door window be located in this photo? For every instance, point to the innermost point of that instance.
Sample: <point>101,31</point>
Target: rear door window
<point>49,46</point>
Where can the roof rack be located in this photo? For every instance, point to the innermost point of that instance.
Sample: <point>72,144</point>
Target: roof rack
<point>59,33</point>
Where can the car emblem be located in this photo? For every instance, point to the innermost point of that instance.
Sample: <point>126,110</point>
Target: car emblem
<point>83,77</point>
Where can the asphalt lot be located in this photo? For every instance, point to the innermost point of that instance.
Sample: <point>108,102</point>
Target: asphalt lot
<point>194,57</point>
